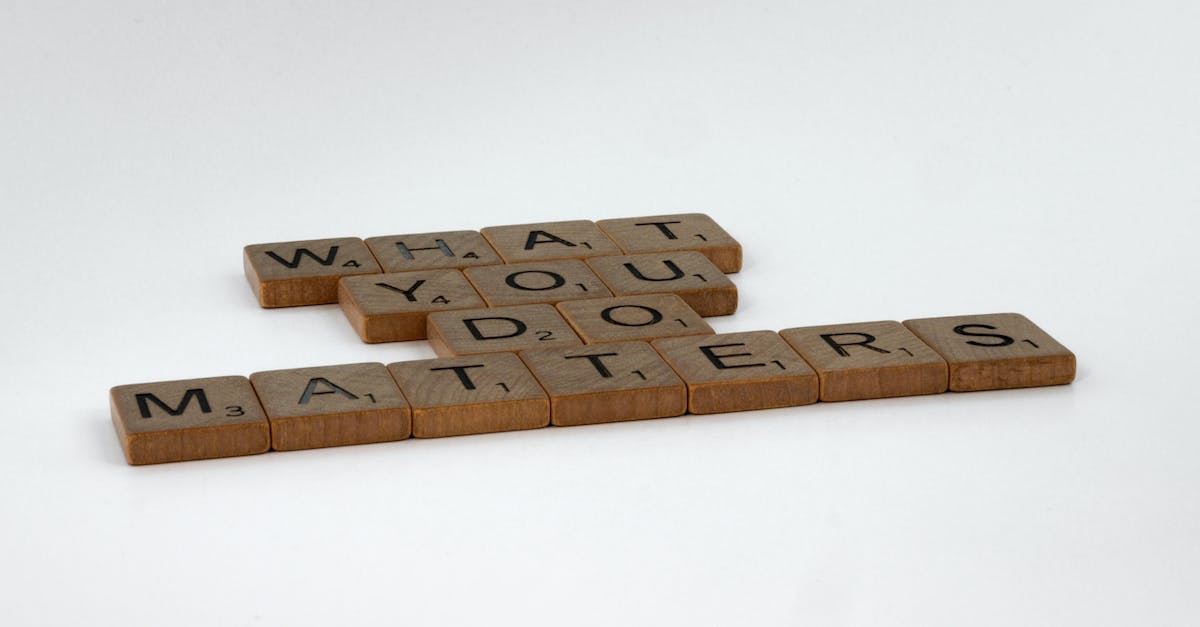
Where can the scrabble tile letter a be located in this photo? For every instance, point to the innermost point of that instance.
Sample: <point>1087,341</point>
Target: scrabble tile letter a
<point>575,239</point>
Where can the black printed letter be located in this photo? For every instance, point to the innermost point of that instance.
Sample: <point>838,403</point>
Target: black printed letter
<point>296,257</point>
<point>716,359</point>
<point>196,393</point>
<point>461,371</point>
<point>518,328</point>
<point>662,227</point>
<point>655,316</point>
<point>595,359</point>
<point>535,238</point>
<point>867,338</point>
<point>962,330</point>
<point>556,279</point>
<point>311,389</point>
<point>441,245</point>
<point>408,293</point>
<point>678,274</point>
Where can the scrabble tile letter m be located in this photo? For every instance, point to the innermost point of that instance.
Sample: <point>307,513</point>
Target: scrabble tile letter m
<point>172,421</point>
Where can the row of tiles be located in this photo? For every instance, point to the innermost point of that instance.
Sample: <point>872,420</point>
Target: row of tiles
<point>394,307</point>
<point>574,385</point>
<point>287,274</point>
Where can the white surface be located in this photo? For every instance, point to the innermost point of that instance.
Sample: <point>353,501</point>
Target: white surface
<point>875,161</point>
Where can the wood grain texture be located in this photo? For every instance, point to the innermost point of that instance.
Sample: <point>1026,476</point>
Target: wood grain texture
<point>607,383</point>
<point>543,241</point>
<point>428,251</point>
<point>680,231</point>
<point>627,318</point>
<point>290,274</point>
<point>467,395</point>
<point>392,307</point>
<point>332,406</point>
<point>498,329</point>
<point>996,351</point>
<point>862,360</point>
<point>687,274</point>
<point>739,371</point>
<point>171,421</point>
<point>546,282</point>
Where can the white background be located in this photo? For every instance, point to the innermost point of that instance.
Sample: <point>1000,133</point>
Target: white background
<point>877,160</point>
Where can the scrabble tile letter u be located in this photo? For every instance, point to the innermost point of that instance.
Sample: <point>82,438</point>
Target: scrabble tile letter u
<point>688,274</point>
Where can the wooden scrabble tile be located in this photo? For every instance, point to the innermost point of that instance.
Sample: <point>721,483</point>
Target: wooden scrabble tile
<point>869,360</point>
<point>393,307</point>
<point>573,239</point>
<point>476,394</point>
<point>739,371</point>
<point>996,351</point>
<point>173,421</point>
<point>626,318</point>
<point>688,274</point>
<point>499,329</point>
<point>607,383</point>
<point>537,282</point>
<point>681,231</point>
<point>332,406</point>
<point>287,274</point>
<point>427,251</point>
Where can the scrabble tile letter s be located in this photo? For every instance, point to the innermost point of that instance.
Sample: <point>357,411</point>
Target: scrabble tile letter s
<point>996,351</point>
